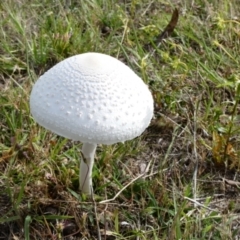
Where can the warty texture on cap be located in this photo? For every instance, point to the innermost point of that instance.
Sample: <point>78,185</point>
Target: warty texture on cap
<point>94,98</point>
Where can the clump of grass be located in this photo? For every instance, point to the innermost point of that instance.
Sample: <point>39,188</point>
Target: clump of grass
<point>191,149</point>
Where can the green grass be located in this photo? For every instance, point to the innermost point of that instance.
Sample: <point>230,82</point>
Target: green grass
<point>192,147</point>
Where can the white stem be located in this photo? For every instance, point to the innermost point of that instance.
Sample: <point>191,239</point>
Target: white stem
<point>86,165</point>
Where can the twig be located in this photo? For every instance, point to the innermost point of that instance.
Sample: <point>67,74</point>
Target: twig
<point>135,179</point>
<point>195,153</point>
<point>169,28</point>
<point>95,212</point>
<point>196,203</point>
<point>167,31</point>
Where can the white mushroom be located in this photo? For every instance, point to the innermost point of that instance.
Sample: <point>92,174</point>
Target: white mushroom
<point>93,98</point>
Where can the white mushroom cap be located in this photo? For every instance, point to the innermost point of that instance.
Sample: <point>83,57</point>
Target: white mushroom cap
<point>94,98</point>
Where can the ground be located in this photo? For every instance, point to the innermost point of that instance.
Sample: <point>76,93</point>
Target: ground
<point>180,178</point>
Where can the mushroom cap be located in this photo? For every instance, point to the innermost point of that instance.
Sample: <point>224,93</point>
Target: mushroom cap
<point>94,98</point>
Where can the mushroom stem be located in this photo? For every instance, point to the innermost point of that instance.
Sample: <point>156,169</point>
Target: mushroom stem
<point>86,165</point>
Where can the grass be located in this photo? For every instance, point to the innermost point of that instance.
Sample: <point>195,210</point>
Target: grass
<point>191,149</point>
